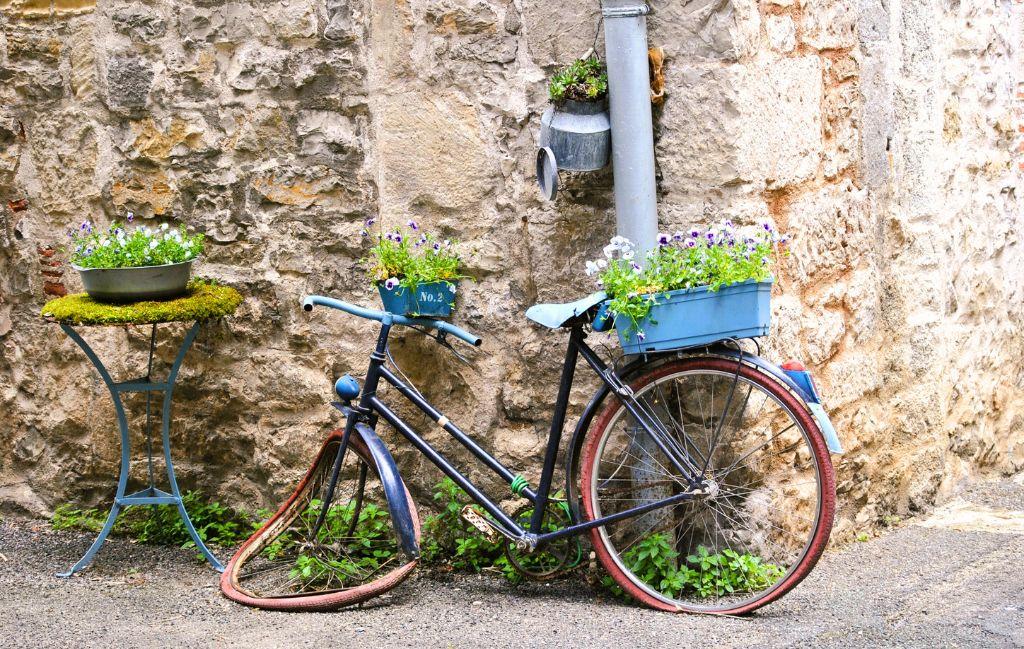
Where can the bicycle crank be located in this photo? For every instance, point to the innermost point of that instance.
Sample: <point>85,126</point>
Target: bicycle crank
<point>553,559</point>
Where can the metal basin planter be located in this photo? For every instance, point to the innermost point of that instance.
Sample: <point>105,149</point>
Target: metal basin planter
<point>434,299</point>
<point>696,316</point>
<point>579,133</point>
<point>136,284</point>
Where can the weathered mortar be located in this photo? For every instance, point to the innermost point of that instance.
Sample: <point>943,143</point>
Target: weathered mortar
<point>880,135</point>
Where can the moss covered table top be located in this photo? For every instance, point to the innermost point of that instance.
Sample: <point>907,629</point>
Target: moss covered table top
<point>205,300</point>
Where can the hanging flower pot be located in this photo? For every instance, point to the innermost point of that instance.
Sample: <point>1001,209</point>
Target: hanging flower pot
<point>575,131</point>
<point>434,299</point>
<point>129,265</point>
<point>579,133</point>
<point>415,273</point>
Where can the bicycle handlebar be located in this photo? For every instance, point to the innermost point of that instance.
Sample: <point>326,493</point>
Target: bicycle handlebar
<point>389,318</point>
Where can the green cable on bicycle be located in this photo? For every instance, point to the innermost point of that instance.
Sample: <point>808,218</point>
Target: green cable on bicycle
<point>519,484</point>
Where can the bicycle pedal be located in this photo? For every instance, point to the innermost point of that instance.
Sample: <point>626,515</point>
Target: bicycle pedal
<point>471,516</point>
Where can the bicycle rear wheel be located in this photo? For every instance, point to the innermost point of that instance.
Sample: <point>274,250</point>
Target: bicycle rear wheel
<point>769,503</point>
<point>292,563</point>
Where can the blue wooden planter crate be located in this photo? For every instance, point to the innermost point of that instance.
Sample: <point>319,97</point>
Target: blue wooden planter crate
<point>430,299</point>
<point>697,316</point>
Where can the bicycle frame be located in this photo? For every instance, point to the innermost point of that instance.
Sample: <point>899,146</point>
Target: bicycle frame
<point>370,407</point>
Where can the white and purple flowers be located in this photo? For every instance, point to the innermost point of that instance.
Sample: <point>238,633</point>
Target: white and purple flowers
<point>410,256</point>
<point>721,255</point>
<point>118,247</point>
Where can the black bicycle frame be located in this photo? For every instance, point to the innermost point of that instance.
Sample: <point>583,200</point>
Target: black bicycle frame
<point>371,406</point>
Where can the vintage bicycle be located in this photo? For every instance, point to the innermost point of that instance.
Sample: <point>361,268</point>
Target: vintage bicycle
<point>712,460</point>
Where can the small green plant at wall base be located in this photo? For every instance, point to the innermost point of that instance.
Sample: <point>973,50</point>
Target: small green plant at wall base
<point>581,80</point>
<point>709,575</point>
<point>360,549</point>
<point>123,246</point>
<point>408,257</point>
<point>161,525</point>
<point>448,539</point>
<point>67,517</point>
<point>717,257</point>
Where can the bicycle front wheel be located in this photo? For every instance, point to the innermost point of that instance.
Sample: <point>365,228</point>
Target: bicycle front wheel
<point>325,548</point>
<point>764,515</point>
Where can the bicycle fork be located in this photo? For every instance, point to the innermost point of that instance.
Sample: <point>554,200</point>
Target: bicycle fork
<point>332,484</point>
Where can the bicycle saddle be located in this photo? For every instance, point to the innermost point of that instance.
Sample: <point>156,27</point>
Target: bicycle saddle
<point>556,316</point>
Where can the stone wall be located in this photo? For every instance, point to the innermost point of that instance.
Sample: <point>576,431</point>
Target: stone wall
<point>881,135</point>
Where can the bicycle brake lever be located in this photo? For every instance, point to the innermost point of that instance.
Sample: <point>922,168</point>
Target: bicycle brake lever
<point>442,339</point>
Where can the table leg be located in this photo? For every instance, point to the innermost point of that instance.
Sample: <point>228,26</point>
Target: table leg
<point>150,495</point>
<point>166,430</point>
<point>122,481</point>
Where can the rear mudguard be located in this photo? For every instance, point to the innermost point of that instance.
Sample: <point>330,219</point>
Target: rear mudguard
<point>394,489</point>
<point>718,351</point>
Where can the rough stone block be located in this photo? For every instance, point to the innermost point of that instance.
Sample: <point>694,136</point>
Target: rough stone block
<point>841,127</point>
<point>145,193</point>
<point>228,23</point>
<point>345,21</point>
<point>129,80</point>
<point>832,232</point>
<point>256,66</point>
<point>432,152</point>
<point>262,132</point>
<point>756,125</point>
<point>829,24</point>
<point>462,17</point>
<point>139,23</point>
<point>64,149</point>
<point>37,84</point>
<point>706,29</point>
<point>30,45</point>
<point>327,134</point>
<point>175,142</point>
<point>558,33</point>
<point>291,19</point>
<point>781,33</point>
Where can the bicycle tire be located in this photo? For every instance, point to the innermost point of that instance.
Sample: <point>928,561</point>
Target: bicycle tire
<point>599,435</point>
<point>230,582</point>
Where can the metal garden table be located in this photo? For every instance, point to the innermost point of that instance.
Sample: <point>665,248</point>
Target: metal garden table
<point>205,301</point>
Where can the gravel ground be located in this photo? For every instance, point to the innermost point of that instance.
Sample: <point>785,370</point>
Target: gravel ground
<point>913,586</point>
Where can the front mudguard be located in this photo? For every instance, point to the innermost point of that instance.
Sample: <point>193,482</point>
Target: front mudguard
<point>394,490</point>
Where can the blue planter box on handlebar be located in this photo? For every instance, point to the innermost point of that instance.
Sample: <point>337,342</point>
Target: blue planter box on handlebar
<point>434,299</point>
<point>697,316</point>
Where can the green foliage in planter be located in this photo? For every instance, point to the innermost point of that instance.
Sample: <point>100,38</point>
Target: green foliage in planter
<point>120,247</point>
<point>581,80</point>
<point>717,257</point>
<point>408,257</point>
<point>206,299</point>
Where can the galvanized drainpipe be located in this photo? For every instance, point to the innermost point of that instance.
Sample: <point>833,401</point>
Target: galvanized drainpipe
<point>629,91</point>
<point>636,201</point>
